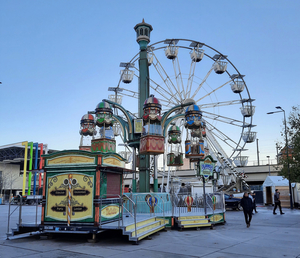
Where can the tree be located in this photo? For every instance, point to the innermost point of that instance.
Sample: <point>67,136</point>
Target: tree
<point>7,179</point>
<point>293,157</point>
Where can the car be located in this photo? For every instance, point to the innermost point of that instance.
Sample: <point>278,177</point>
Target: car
<point>27,199</point>
<point>232,202</point>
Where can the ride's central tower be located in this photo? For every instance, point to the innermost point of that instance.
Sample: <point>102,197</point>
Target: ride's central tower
<point>143,38</point>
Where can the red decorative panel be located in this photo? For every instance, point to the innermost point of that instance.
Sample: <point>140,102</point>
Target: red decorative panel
<point>86,148</point>
<point>152,144</point>
<point>113,185</point>
<point>103,145</point>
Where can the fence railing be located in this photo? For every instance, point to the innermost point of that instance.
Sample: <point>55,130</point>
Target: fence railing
<point>133,204</point>
<point>18,219</point>
<point>184,204</point>
<point>178,204</point>
<point>162,203</point>
<point>127,207</point>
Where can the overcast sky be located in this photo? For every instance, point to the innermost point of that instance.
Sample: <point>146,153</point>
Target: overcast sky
<point>57,58</point>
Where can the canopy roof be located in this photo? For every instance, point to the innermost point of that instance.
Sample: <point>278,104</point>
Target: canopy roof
<point>275,181</point>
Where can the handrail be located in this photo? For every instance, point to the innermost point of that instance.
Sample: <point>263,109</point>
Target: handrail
<point>163,206</point>
<point>19,206</point>
<point>135,217</point>
<point>179,205</point>
<point>121,206</point>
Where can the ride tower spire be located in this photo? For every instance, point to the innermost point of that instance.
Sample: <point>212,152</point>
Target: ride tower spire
<point>143,38</point>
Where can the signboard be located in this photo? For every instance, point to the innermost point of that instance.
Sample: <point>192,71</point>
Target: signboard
<point>138,125</point>
<point>69,197</point>
<point>217,218</point>
<point>206,167</point>
<point>110,212</point>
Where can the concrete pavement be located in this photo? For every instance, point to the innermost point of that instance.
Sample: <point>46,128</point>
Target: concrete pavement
<point>268,236</point>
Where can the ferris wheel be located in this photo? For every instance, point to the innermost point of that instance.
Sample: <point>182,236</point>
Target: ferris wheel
<point>182,71</point>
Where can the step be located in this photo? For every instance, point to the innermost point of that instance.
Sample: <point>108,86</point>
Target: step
<point>10,234</point>
<point>195,225</point>
<point>164,221</point>
<point>190,217</point>
<point>193,221</point>
<point>147,233</point>
<point>144,228</point>
<point>139,224</point>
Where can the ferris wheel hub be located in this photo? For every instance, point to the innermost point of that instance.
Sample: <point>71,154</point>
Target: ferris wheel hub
<point>189,100</point>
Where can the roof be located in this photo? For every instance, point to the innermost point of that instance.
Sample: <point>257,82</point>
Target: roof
<point>14,153</point>
<point>275,181</point>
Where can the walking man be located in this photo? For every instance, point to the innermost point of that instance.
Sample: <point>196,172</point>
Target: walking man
<point>277,202</point>
<point>253,201</point>
<point>247,205</point>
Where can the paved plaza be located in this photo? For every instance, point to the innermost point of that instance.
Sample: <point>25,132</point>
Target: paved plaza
<point>268,236</point>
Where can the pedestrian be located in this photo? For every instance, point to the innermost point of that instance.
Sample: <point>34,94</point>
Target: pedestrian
<point>277,202</point>
<point>251,197</point>
<point>247,205</point>
<point>253,201</point>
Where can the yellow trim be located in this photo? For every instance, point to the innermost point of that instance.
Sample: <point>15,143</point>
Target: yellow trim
<point>165,221</point>
<point>197,225</point>
<point>194,222</point>
<point>115,161</point>
<point>150,233</point>
<point>70,159</point>
<point>138,224</point>
<point>191,217</point>
<point>141,230</point>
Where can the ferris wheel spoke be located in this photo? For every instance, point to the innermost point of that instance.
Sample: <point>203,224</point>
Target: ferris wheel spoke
<point>190,78</point>
<point>166,79</point>
<point>219,104</point>
<point>222,136</point>
<point>128,93</point>
<point>203,81</point>
<point>214,144</point>
<point>178,76</point>
<point>208,94</point>
<point>224,119</point>
<point>163,92</point>
<point>166,103</point>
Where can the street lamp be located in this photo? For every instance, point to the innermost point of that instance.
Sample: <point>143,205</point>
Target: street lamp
<point>287,152</point>
<point>216,175</point>
<point>269,164</point>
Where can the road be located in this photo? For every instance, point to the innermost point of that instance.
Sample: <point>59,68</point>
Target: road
<point>268,236</point>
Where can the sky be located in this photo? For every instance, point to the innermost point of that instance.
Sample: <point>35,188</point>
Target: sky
<point>58,58</point>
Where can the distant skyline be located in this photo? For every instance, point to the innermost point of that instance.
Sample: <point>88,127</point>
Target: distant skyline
<point>58,59</point>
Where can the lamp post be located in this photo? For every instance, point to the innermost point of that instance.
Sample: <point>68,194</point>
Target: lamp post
<point>216,175</point>
<point>269,164</point>
<point>287,152</point>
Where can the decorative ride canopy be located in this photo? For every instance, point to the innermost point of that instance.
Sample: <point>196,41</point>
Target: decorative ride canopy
<point>175,155</point>
<point>194,144</point>
<point>104,114</point>
<point>87,125</point>
<point>152,141</point>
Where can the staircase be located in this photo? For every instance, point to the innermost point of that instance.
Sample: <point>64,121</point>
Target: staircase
<point>144,228</point>
<point>192,222</point>
<point>22,229</point>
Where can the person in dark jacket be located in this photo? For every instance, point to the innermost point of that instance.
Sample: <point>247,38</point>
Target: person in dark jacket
<point>277,202</point>
<point>253,202</point>
<point>247,205</point>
